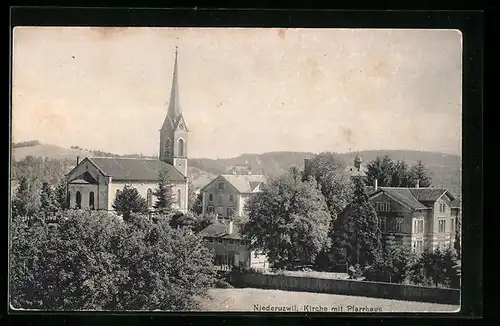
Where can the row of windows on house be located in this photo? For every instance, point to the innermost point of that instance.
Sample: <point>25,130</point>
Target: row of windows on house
<point>211,198</point>
<point>221,210</point>
<point>386,207</point>
<point>396,224</point>
<point>149,196</point>
<point>418,225</point>
<point>418,246</point>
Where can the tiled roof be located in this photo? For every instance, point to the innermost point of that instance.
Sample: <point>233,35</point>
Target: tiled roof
<point>135,169</point>
<point>244,183</point>
<point>218,230</point>
<point>455,203</point>
<point>403,195</point>
<point>369,189</point>
<point>427,194</point>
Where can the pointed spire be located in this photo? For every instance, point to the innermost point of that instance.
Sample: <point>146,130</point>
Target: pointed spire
<point>174,106</point>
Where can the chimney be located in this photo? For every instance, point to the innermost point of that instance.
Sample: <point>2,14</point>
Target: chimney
<point>77,160</point>
<point>230,227</point>
<point>418,184</point>
<point>375,184</point>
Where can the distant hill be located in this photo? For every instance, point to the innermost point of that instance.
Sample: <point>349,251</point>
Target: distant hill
<point>50,151</point>
<point>444,168</point>
<point>68,157</point>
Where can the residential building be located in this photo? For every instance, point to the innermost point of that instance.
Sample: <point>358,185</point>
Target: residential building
<point>95,181</point>
<point>227,194</point>
<point>417,217</point>
<point>229,248</point>
<point>420,217</point>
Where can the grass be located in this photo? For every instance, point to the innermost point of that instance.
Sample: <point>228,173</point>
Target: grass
<point>246,299</point>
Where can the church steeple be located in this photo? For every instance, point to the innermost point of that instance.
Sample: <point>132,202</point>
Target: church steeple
<point>174,133</point>
<point>174,105</point>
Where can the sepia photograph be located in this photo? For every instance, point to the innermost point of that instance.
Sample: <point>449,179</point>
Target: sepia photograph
<point>292,170</point>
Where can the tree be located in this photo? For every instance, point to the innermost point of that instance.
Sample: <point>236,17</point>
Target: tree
<point>420,173</point>
<point>361,233</point>
<point>195,201</point>
<point>164,196</point>
<point>197,206</point>
<point>400,175</point>
<point>129,201</point>
<point>380,169</point>
<point>203,221</point>
<point>94,261</point>
<point>457,245</point>
<point>48,201</point>
<point>26,203</point>
<point>180,220</point>
<point>288,220</point>
<point>436,267</point>
<point>61,194</point>
<point>336,186</point>
<point>391,266</point>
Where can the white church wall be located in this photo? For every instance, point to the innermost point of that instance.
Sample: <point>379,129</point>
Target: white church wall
<point>84,190</point>
<point>143,187</point>
<point>86,166</point>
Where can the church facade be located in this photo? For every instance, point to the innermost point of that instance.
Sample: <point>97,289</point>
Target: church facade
<point>95,181</point>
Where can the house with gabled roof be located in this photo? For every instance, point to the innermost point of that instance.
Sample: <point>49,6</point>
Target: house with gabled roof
<point>229,247</point>
<point>417,217</point>
<point>95,181</point>
<point>227,194</point>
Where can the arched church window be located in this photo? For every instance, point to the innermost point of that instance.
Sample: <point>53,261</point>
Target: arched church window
<point>68,200</point>
<point>179,197</point>
<point>150,197</point>
<point>91,200</point>
<point>167,147</point>
<point>181,147</point>
<point>78,200</point>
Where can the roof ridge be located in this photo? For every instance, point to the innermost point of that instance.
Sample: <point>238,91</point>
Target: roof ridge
<point>125,158</point>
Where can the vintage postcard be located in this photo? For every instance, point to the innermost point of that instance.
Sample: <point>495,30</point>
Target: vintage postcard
<point>236,169</point>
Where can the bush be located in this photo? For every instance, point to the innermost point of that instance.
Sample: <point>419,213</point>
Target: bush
<point>94,261</point>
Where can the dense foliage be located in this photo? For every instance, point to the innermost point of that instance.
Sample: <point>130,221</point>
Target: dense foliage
<point>357,237</point>
<point>336,186</point>
<point>288,220</point>
<point>92,260</point>
<point>435,268</point>
<point>129,201</point>
<point>50,170</point>
<point>164,196</point>
<point>397,174</point>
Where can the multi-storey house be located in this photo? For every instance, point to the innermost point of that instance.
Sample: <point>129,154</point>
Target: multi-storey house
<point>420,217</point>
<point>227,194</point>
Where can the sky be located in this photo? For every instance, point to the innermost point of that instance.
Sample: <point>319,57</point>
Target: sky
<point>241,90</point>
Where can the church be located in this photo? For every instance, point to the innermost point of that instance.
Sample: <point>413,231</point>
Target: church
<point>95,181</point>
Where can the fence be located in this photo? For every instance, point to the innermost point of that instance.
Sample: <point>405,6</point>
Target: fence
<point>348,287</point>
